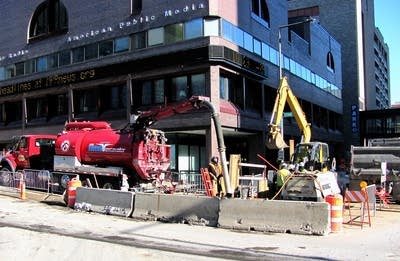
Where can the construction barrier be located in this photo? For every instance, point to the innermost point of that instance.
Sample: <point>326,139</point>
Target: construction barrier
<point>71,191</point>
<point>297,217</point>
<point>105,201</point>
<point>358,196</point>
<point>336,211</point>
<point>196,210</point>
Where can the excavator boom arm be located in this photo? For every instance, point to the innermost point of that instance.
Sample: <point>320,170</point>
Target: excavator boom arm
<point>274,135</point>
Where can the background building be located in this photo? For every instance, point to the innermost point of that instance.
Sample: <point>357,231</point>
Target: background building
<point>365,66</point>
<point>100,60</point>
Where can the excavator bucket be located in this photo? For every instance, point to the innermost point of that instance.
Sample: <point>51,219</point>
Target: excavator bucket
<point>275,141</point>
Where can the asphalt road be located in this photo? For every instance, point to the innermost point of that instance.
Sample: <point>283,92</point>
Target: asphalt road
<point>47,230</point>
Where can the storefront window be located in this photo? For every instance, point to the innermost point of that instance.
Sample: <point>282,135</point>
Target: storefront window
<point>179,88</point>
<point>198,84</point>
<point>159,91</point>
<point>52,61</point>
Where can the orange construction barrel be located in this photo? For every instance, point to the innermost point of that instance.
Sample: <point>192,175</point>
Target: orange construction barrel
<point>336,211</point>
<point>71,191</point>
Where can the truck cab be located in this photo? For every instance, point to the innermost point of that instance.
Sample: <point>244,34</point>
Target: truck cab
<point>30,151</point>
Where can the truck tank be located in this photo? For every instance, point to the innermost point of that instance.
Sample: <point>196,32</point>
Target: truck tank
<point>143,151</point>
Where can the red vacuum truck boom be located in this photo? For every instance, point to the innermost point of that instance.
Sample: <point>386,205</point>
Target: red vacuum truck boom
<point>105,157</point>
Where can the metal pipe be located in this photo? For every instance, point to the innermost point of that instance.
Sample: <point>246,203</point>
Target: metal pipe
<point>221,146</point>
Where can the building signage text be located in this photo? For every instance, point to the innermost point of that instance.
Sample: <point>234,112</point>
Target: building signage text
<point>354,118</point>
<point>142,19</point>
<point>51,81</point>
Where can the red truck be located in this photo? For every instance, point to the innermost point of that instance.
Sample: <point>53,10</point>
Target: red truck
<point>104,157</point>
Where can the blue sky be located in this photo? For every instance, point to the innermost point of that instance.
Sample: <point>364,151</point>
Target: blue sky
<point>386,14</point>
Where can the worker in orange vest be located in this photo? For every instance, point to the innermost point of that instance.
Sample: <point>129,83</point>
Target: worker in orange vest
<point>215,171</point>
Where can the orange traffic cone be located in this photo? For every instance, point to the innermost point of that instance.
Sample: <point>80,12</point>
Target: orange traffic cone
<point>22,192</point>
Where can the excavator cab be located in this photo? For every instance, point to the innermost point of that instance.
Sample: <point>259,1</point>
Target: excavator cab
<point>314,155</point>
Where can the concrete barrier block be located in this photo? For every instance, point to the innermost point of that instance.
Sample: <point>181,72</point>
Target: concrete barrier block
<point>296,217</point>
<point>174,208</point>
<point>111,202</point>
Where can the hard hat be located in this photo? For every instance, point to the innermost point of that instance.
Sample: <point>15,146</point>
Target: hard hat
<point>283,165</point>
<point>301,164</point>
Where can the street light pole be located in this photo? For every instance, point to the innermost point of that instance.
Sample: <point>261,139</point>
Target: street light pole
<point>310,19</point>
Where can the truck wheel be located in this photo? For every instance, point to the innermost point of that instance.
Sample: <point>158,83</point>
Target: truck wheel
<point>6,176</point>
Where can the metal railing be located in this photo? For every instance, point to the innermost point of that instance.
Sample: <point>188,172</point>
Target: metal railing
<point>188,182</point>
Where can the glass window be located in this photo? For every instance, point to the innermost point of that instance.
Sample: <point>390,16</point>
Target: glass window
<point>13,111</point>
<point>248,42</point>
<point>30,66</point>
<point>183,157</point>
<point>77,55</point>
<point>117,98</point>
<point>36,108</point>
<point>91,51</point>
<point>2,74</point>
<point>139,40</point>
<point>19,68</point>
<point>173,33</point>
<point>146,93</point>
<point>155,36</point>
<point>85,100</point>
<point>121,44</point>
<point>223,88</point>
<point>52,61</point>
<point>58,105</point>
<point>106,48</point>
<point>64,57</point>
<point>159,91</point>
<point>42,64</point>
<point>274,56</point>
<point>136,7</point>
<point>265,51</point>
<point>50,18</point>
<point>227,30</point>
<point>193,29</point>
<point>286,62</point>
<point>10,71</point>
<point>257,46</point>
<point>238,37</point>
<point>260,9</point>
<point>180,88</point>
<point>198,84</point>
<point>211,27</point>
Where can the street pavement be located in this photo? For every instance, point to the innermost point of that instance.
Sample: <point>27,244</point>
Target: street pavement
<point>40,230</point>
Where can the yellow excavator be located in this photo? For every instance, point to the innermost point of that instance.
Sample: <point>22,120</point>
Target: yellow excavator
<point>315,181</point>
